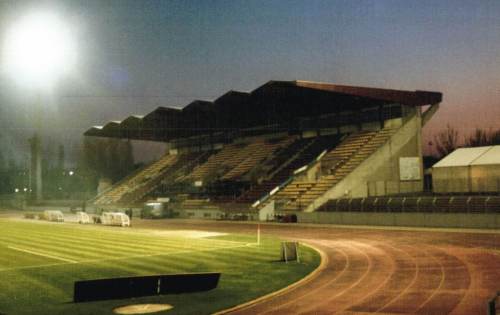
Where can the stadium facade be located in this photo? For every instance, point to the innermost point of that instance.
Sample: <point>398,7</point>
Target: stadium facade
<point>286,147</point>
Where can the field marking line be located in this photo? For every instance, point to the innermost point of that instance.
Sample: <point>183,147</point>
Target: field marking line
<point>163,254</point>
<point>43,254</point>
<point>33,267</point>
<point>102,248</point>
<point>323,265</point>
<point>69,261</point>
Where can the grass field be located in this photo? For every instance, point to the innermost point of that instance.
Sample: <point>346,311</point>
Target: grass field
<point>40,261</point>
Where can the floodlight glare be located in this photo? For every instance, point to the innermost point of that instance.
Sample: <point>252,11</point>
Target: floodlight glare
<point>38,49</point>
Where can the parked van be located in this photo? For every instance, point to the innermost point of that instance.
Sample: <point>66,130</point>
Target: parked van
<point>115,218</point>
<point>83,217</point>
<point>53,215</point>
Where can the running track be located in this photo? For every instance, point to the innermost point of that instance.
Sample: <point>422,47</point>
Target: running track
<point>375,271</point>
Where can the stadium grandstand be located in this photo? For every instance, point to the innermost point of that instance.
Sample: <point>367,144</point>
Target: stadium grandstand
<point>285,147</point>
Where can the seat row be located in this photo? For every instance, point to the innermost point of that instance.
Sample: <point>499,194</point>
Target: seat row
<point>441,204</point>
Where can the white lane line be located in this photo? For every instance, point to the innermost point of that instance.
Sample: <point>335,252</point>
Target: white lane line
<point>413,280</point>
<point>443,276</point>
<point>29,251</point>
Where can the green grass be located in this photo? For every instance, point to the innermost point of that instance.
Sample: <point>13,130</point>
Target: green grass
<point>39,263</point>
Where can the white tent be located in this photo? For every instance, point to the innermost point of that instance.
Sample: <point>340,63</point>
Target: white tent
<point>468,170</point>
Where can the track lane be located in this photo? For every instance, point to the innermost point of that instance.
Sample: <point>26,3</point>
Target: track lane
<point>435,272</point>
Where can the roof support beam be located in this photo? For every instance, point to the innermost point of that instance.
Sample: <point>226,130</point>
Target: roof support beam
<point>427,115</point>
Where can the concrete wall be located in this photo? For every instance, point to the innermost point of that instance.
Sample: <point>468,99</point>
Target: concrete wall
<point>200,213</point>
<point>414,219</point>
<point>382,166</point>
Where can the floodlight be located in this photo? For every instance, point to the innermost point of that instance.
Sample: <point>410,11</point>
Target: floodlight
<point>38,49</point>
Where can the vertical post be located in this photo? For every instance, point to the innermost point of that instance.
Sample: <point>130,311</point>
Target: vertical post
<point>491,307</point>
<point>284,250</point>
<point>258,234</point>
<point>297,251</point>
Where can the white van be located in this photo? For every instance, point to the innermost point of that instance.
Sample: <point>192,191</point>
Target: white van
<point>53,215</point>
<point>115,218</point>
<point>83,217</point>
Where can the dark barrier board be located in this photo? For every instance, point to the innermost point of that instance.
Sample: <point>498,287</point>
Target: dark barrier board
<point>127,287</point>
<point>184,283</point>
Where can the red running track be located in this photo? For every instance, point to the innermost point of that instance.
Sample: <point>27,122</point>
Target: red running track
<point>375,271</point>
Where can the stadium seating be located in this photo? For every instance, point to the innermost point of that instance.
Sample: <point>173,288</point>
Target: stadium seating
<point>335,165</point>
<point>114,194</point>
<point>136,186</point>
<point>299,153</point>
<point>234,160</point>
<point>438,204</point>
<point>268,162</point>
<point>184,164</point>
<point>255,153</point>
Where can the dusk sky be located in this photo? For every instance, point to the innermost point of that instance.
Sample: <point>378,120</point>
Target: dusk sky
<point>133,56</point>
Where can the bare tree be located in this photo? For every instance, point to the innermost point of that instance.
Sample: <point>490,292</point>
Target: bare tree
<point>481,137</point>
<point>495,137</point>
<point>446,141</point>
<point>478,138</point>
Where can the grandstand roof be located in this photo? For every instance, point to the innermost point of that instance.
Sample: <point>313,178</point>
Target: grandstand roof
<point>274,103</point>
<point>489,155</point>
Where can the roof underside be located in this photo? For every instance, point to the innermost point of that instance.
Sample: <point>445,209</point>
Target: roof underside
<point>274,103</point>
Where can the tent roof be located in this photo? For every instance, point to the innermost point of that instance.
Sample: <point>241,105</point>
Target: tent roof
<point>488,155</point>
